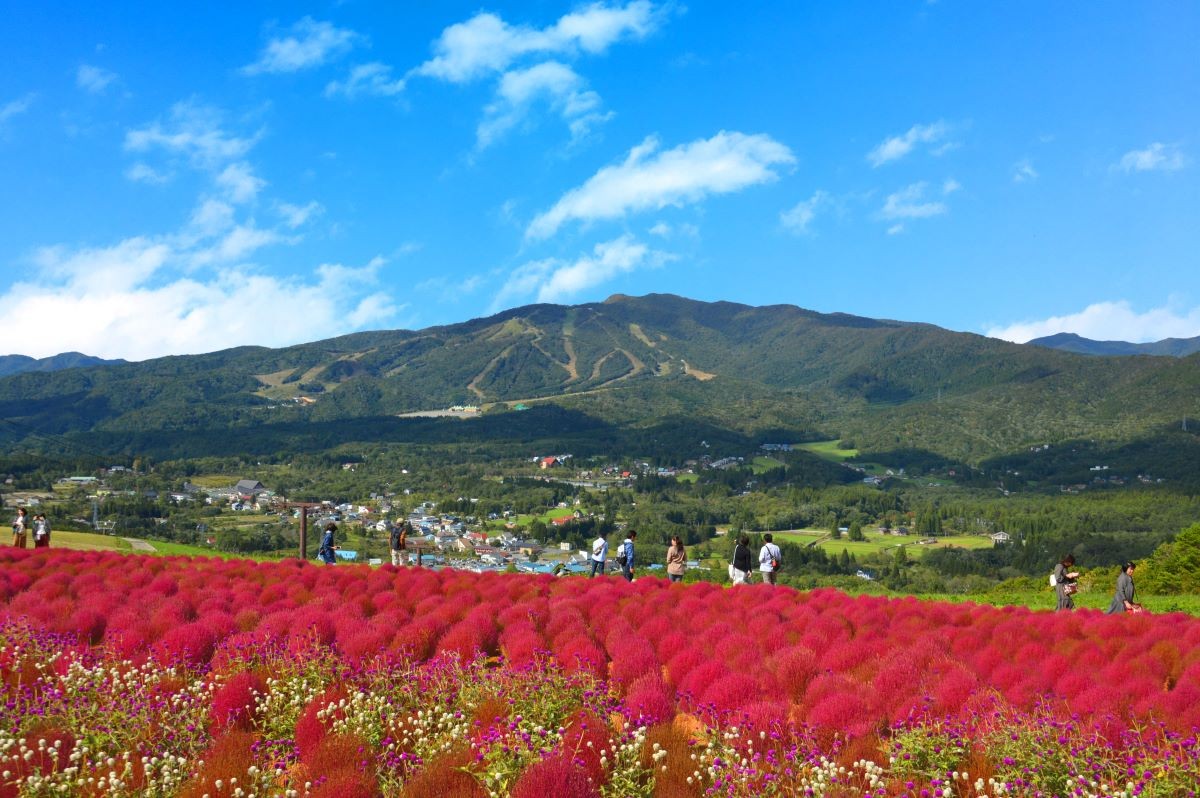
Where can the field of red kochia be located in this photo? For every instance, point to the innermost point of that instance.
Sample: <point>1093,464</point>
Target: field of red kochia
<point>687,689</point>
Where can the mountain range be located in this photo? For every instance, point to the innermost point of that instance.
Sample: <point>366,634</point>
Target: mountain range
<point>626,372</point>
<point>1070,342</point>
<point>16,364</point>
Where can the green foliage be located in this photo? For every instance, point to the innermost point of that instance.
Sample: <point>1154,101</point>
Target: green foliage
<point>1173,567</point>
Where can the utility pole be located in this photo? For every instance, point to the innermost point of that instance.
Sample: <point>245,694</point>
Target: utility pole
<point>303,523</point>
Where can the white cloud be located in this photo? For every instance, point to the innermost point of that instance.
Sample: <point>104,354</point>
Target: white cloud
<point>15,107</point>
<point>128,301</point>
<point>192,131</point>
<point>296,215</point>
<point>239,182</point>
<point>897,147</point>
<point>239,243</point>
<point>93,79</point>
<point>909,203</point>
<point>373,80</point>
<point>949,186</point>
<point>554,280</point>
<point>1158,157</point>
<point>1023,171</point>
<point>1110,321</point>
<point>661,229</point>
<point>143,173</point>
<point>555,84</point>
<point>486,43</point>
<point>310,44</point>
<point>896,229</point>
<point>649,179</point>
<point>799,217</point>
<point>211,218</point>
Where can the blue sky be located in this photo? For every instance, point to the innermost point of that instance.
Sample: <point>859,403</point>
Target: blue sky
<point>183,178</point>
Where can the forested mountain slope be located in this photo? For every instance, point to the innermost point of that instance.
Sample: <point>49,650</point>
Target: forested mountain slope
<point>627,363</point>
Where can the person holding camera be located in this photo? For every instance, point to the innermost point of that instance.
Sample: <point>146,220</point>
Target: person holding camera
<point>1064,583</point>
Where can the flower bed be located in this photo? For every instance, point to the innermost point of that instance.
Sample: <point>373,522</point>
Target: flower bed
<point>147,676</point>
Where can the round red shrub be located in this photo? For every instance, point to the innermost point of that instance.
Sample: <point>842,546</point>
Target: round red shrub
<point>555,776</point>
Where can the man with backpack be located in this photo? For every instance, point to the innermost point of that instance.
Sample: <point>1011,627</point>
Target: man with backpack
<point>769,559</point>
<point>599,555</point>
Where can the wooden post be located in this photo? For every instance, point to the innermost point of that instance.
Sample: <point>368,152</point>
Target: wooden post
<point>303,532</point>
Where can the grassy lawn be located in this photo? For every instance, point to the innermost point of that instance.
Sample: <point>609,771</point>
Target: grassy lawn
<point>876,542</point>
<point>829,450</point>
<point>1094,600</point>
<point>686,477</point>
<point>87,541</point>
<point>762,465</point>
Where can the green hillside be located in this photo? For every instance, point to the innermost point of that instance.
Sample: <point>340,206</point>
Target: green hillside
<point>612,371</point>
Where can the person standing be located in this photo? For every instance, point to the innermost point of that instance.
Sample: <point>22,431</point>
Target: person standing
<point>326,552</point>
<point>20,527</point>
<point>1064,583</point>
<point>626,557</point>
<point>769,559</point>
<point>41,532</point>
<point>1123,600</point>
<point>676,559</point>
<point>741,567</point>
<point>399,542</point>
<point>599,555</point>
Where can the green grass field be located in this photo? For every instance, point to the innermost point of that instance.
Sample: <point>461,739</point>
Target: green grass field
<point>87,541</point>
<point>762,465</point>
<point>876,542</point>
<point>829,450</point>
<point>1094,600</point>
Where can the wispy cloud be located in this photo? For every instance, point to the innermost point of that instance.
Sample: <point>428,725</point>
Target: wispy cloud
<point>1110,321</point>
<point>308,44</point>
<point>367,80</point>
<point>487,44</point>
<point>896,147</point>
<point>911,202</point>
<point>555,280</point>
<point>1023,171</point>
<point>239,182</point>
<point>1158,157</point>
<point>93,79</point>
<point>649,179</point>
<point>192,131</point>
<point>798,218</point>
<point>551,83</point>
<point>15,107</point>
<point>143,173</point>
<point>296,215</point>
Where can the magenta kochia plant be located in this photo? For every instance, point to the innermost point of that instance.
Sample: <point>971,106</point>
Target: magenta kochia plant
<point>171,676</point>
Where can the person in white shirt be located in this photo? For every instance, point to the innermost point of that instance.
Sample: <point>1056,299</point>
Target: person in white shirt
<point>599,555</point>
<point>769,559</point>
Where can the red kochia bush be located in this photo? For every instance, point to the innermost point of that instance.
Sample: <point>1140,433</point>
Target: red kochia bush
<point>556,776</point>
<point>233,702</point>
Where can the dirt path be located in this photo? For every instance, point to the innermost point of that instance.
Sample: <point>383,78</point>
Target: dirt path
<point>139,545</point>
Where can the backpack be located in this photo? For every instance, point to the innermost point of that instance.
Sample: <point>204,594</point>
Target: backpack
<point>597,547</point>
<point>775,558</point>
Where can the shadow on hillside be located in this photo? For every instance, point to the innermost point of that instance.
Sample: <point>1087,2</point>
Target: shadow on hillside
<point>517,429</point>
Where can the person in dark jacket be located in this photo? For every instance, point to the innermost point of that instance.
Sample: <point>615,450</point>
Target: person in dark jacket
<point>399,542</point>
<point>1064,583</point>
<point>742,565</point>
<point>627,553</point>
<point>1123,600</point>
<point>326,552</point>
